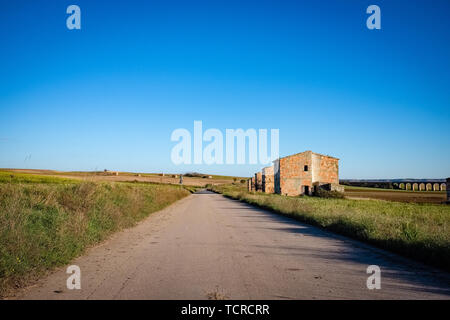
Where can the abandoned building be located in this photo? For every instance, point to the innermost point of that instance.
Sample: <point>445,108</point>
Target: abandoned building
<point>298,174</point>
<point>268,185</point>
<point>304,172</point>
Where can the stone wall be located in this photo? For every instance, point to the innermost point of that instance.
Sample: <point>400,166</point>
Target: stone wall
<point>268,180</point>
<point>332,187</point>
<point>258,181</point>
<point>328,171</point>
<point>276,176</point>
<point>302,172</point>
<point>295,174</point>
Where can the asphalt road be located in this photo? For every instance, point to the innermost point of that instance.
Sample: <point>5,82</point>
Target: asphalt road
<point>209,247</point>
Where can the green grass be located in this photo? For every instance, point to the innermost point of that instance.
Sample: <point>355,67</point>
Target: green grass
<point>47,224</point>
<point>14,177</point>
<point>418,231</point>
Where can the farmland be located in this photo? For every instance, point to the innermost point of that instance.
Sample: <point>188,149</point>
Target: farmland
<point>50,217</point>
<point>110,176</point>
<point>436,197</point>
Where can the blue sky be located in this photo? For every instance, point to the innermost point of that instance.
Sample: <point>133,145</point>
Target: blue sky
<point>110,95</point>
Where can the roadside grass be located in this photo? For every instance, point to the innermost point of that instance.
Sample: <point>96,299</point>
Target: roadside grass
<point>47,224</point>
<point>417,231</point>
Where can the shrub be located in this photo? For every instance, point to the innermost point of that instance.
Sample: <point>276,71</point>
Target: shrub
<point>322,193</point>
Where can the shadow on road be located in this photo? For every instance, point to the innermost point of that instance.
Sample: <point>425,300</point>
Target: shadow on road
<point>341,248</point>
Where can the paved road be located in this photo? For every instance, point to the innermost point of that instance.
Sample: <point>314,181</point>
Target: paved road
<point>209,247</point>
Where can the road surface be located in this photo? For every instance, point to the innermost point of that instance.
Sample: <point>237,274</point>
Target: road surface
<point>209,247</point>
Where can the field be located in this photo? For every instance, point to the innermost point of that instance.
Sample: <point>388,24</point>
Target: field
<point>121,177</point>
<point>396,195</point>
<point>418,231</point>
<point>46,221</point>
<point>49,217</point>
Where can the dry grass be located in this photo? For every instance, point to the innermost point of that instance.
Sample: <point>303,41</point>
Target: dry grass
<point>419,231</point>
<point>43,225</point>
<point>98,176</point>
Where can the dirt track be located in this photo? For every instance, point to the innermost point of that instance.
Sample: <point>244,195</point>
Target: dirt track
<point>207,246</point>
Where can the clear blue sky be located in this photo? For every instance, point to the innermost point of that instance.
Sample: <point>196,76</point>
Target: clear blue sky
<point>110,95</point>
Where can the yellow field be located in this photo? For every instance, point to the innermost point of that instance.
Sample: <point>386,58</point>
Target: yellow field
<point>127,176</point>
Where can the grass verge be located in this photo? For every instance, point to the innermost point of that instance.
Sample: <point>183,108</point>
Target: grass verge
<point>47,224</point>
<point>417,231</point>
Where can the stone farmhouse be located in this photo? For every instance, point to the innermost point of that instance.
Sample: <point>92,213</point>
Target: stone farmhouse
<point>299,174</point>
